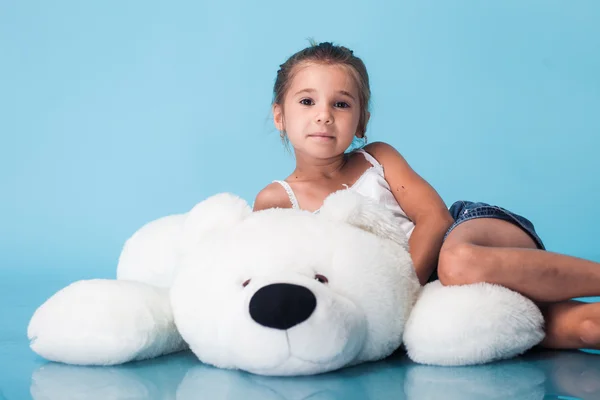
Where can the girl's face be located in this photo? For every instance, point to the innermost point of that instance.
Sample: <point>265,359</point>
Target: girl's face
<point>321,110</point>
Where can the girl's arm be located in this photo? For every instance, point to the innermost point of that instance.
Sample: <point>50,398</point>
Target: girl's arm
<point>421,203</point>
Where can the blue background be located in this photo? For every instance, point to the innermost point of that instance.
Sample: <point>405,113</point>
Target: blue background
<point>115,113</point>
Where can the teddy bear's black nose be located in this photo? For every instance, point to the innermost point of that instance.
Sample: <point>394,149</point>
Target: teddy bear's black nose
<point>282,305</point>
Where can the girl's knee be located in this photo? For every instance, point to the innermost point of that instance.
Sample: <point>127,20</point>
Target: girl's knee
<point>458,264</point>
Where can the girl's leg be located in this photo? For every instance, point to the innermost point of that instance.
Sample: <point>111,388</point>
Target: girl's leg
<point>495,251</point>
<point>572,325</point>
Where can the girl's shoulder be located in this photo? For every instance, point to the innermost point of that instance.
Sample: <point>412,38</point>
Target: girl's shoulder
<point>383,152</point>
<point>273,195</point>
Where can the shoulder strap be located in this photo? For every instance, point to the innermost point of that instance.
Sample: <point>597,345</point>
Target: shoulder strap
<point>370,158</point>
<point>290,193</point>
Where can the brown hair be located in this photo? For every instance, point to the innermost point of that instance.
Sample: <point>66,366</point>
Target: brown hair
<point>329,54</point>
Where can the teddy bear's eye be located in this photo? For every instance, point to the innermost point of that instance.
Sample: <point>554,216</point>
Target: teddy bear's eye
<point>246,282</point>
<point>321,278</point>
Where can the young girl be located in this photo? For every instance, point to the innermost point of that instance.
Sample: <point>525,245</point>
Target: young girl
<point>320,106</point>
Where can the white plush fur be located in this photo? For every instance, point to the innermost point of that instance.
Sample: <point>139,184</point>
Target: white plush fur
<point>462,325</point>
<point>104,322</point>
<point>185,275</point>
<point>359,316</point>
<point>151,255</point>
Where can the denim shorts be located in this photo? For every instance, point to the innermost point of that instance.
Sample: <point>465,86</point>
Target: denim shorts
<point>463,211</point>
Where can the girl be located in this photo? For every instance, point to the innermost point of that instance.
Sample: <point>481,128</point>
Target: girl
<point>320,106</point>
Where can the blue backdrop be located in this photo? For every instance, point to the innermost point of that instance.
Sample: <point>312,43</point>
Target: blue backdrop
<point>116,113</point>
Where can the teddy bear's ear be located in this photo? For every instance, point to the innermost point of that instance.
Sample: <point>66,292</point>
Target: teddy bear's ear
<point>362,212</point>
<point>217,213</point>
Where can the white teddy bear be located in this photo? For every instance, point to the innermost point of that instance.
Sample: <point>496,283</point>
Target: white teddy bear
<point>279,292</point>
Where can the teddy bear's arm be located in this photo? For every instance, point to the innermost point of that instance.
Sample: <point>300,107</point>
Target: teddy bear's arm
<point>104,322</point>
<point>471,324</point>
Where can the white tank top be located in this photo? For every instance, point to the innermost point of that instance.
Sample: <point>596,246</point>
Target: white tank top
<point>371,184</point>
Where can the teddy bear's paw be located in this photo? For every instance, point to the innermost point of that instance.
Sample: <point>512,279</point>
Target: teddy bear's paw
<point>104,322</point>
<point>471,324</point>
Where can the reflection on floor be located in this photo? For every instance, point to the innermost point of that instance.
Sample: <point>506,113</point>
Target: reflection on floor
<point>537,375</point>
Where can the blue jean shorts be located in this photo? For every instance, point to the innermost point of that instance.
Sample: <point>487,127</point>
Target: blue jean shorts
<point>463,211</point>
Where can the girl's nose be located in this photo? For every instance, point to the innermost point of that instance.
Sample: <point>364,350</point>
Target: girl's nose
<point>324,117</point>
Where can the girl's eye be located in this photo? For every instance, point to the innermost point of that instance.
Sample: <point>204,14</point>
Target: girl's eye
<point>342,104</point>
<point>321,278</point>
<point>306,102</point>
<point>246,282</point>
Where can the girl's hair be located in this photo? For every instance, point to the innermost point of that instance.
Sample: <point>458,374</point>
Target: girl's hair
<point>328,54</point>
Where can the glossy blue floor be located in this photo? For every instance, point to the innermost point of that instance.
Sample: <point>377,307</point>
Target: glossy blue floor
<point>23,375</point>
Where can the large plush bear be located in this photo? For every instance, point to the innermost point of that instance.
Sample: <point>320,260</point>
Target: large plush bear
<point>279,292</point>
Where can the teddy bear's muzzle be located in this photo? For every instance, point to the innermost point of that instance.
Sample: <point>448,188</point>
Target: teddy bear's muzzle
<point>282,305</point>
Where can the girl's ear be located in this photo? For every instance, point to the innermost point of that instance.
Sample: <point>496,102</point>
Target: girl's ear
<point>361,135</point>
<point>278,117</point>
